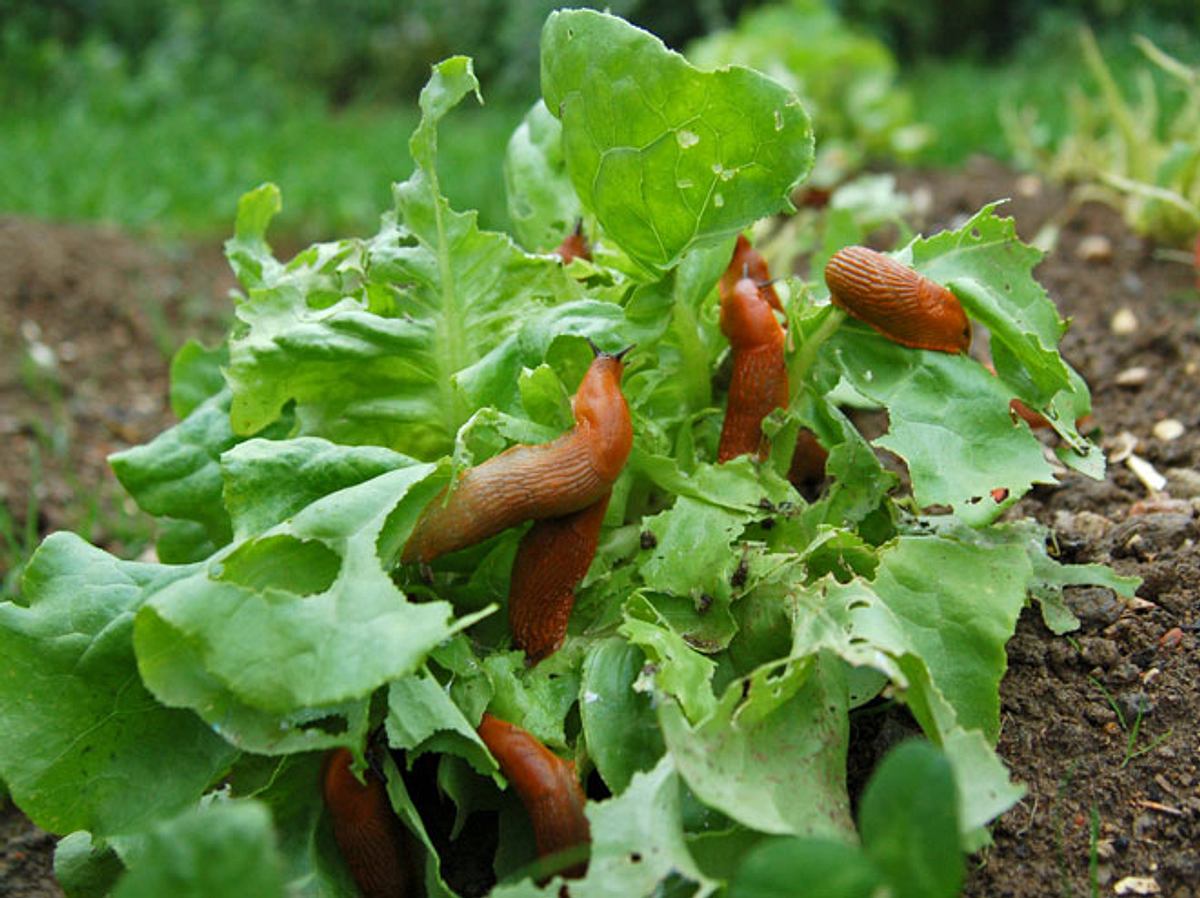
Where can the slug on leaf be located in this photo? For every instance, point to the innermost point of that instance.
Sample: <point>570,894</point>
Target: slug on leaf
<point>366,830</point>
<point>553,557</point>
<point>574,246</point>
<point>759,383</point>
<point>901,304</point>
<point>547,786</point>
<point>545,480</point>
<point>748,262</point>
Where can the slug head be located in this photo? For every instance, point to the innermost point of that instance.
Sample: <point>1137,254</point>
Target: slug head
<point>746,317</point>
<point>601,410</point>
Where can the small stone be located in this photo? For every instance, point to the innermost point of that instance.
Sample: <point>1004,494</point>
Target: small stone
<point>1137,885</point>
<point>1029,186</point>
<point>1132,377</point>
<point>1094,248</point>
<point>1099,714</point>
<point>1123,322</point>
<point>1168,429</point>
<point>1095,606</point>
<point>1099,652</point>
<point>1184,482</point>
<point>1085,524</point>
<point>1146,473</point>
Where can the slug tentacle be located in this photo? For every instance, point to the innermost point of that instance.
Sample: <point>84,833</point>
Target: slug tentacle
<point>366,830</point>
<point>748,262</point>
<point>524,482</point>
<point>574,245</point>
<point>553,557</point>
<point>901,304</point>
<point>547,786</point>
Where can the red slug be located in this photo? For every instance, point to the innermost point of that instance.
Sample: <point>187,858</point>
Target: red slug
<point>904,306</point>
<point>546,784</point>
<point>551,560</point>
<point>546,480</point>
<point>759,383</point>
<point>748,262</point>
<point>808,463</point>
<point>366,830</point>
<point>574,246</point>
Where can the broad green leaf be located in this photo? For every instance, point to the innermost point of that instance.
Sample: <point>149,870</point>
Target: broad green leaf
<point>688,531</point>
<point>948,419</point>
<point>325,627</point>
<point>909,823</point>
<point>196,376</point>
<point>667,156</point>
<point>226,848</point>
<point>85,746</point>
<point>84,869</point>
<point>247,251</point>
<point>772,754</point>
<point>787,867</point>
<point>637,842</point>
<point>618,722</point>
<point>178,472</point>
<point>267,481</point>
<point>421,718</point>
<point>370,337</point>
<point>541,201</point>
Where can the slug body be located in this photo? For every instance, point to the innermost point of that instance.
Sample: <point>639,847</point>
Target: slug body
<point>546,784</point>
<point>574,246</point>
<point>366,829</point>
<point>546,480</point>
<point>748,262</point>
<point>904,306</point>
<point>808,464</point>
<point>759,383</point>
<point>553,557</point>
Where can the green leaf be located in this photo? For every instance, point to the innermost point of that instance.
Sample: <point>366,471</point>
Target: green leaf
<point>376,340</point>
<point>665,155</point>
<point>421,718</point>
<point>909,825</point>
<point>805,868</point>
<point>248,251</point>
<point>178,473</point>
<point>772,754</point>
<point>948,419</point>
<point>85,746</point>
<point>268,481</point>
<point>637,842</point>
<point>226,848</point>
<point>83,869</point>
<point>536,698</point>
<point>196,376</point>
<point>677,669</point>
<point>619,723</point>
<point>541,201</point>
<point>273,634</point>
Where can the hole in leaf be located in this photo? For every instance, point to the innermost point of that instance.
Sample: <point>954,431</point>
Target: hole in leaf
<point>635,857</point>
<point>334,724</point>
<point>303,567</point>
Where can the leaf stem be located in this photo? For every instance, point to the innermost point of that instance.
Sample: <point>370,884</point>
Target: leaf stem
<point>806,355</point>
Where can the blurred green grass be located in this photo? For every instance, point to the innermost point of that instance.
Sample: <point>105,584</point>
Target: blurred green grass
<point>179,171</point>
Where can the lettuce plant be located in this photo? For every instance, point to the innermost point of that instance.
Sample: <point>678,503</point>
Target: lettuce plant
<point>172,715</point>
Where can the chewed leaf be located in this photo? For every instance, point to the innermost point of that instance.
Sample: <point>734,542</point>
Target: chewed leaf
<point>541,201</point>
<point>663,154</point>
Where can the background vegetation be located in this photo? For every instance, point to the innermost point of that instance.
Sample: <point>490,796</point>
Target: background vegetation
<point>158,115</point>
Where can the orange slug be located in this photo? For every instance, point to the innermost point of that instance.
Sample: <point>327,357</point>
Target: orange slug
<point>759,383</point>
<point>904,306</point>
<point>545,480</point>
<point>546,784</point>
<point>553,557</point>
<point>748,262</point>
<point>574,246</point>
<point>366,830</point>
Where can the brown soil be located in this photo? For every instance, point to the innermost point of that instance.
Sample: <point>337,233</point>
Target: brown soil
<point>96,299</point>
